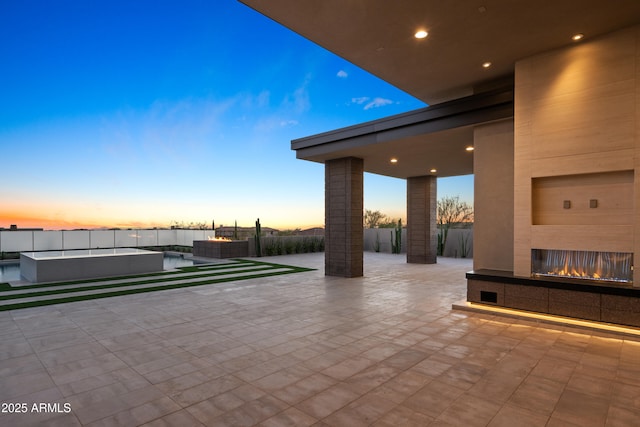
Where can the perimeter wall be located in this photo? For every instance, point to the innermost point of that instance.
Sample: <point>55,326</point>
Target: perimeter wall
<point>27,241</point>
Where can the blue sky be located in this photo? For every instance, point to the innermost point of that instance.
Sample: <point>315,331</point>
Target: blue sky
<point>140,113</point>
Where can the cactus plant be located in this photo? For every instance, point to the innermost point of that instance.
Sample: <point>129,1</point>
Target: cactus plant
<point>258,234</point>
<point>396,244</point>
<point>464,245</point>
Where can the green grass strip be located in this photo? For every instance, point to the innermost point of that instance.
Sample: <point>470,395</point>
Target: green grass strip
<point>201,267</point>
<point>189,269</point>
<point>123,284</point>
<point>157,278</point>
<point>5,286</point>
<point>143,290</point>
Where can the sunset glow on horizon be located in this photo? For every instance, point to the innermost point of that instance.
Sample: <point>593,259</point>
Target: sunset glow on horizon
<point>143,114</point>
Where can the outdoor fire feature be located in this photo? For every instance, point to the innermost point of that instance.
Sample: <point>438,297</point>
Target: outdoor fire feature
<point>221,248</point>
<point>605,266</point>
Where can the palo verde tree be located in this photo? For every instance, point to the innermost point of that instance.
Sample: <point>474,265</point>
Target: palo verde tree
<point>452,212</point>
<point>189,226</point>
<point>373,219</point>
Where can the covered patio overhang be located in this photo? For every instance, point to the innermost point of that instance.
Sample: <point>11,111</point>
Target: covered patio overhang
<point>434,137</point>
<point>425,144</point>
<point>377,35</point>
<point>470,46</point>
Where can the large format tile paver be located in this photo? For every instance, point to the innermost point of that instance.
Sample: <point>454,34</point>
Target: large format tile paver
<point>385,349</point>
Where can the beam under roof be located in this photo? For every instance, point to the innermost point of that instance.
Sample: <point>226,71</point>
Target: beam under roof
<point>434,137</point>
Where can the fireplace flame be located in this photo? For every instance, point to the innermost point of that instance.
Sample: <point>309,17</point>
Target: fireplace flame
<point>575,273</point>
<point>578,272</point>
<point>218,239</point>
<point>608,266</point>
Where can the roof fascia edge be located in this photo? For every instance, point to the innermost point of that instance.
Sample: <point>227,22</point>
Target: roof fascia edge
<point>335,148</point>
<point>436,112</point>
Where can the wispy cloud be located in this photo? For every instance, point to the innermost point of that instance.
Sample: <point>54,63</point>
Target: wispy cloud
<point>342,74</point>
<point>164,133</point>
<point>360,100</point>
<point>371,103</point>
<point>301,100</point>
<point>266,125</point>
<point>378,102</point>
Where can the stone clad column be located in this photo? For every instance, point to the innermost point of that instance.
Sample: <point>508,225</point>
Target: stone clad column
<point>422,233</point>
<point>343,205</point>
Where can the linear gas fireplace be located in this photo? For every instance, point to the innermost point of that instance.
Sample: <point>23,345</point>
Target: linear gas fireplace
<point>605,266</point>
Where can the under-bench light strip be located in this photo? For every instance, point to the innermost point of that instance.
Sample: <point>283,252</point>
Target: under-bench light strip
<point>550,318</point>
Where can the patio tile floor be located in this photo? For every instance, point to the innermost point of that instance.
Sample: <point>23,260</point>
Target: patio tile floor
<point>304,349</point>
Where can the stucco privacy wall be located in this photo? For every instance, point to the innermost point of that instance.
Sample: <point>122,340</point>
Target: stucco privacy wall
<point>458,240</point>
<point>577,112</point>
<point>493,196</point>
<point>21,241</point>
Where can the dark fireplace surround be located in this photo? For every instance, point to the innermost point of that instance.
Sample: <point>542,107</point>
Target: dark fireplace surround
<point>601,301</point>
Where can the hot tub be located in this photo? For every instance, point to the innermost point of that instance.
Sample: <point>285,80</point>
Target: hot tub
<point>53,266</point>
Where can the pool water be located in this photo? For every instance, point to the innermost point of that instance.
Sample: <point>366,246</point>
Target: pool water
<point>175,261</point>
<point>11,271</point>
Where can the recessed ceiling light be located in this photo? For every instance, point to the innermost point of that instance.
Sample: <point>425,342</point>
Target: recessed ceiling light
<point>577,37</point>
<point>393,160</point>
<point>420,34</point>
<point>433,170</point>
<point>486,64</point>
<point>469,148</point>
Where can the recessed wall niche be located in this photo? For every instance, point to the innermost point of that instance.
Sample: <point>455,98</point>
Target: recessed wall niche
<point>613,192</point>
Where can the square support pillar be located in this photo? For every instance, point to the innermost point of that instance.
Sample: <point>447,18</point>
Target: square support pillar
<point>422,232</point>
<point>343,205</point>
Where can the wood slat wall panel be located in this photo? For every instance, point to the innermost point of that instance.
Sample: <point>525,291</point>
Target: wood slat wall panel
<point>615,238</point>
